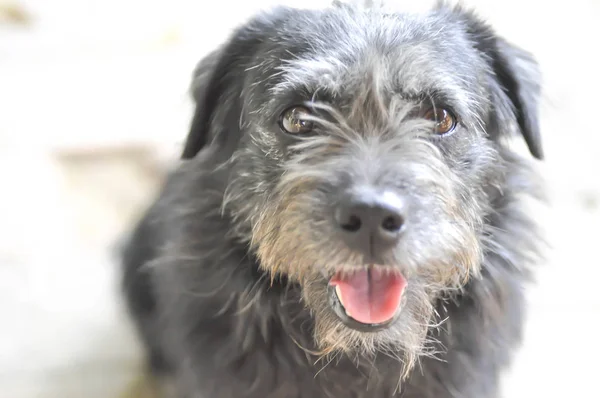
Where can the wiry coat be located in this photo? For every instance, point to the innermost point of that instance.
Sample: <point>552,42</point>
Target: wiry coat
<point>220,275</point>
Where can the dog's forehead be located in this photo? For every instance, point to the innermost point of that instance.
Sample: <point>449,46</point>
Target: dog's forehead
<point>406,53</point>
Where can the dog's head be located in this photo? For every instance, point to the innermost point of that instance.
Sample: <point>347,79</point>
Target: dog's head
<point>363,150</point>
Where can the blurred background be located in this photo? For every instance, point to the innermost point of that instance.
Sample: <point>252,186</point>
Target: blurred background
<point>94,108</point>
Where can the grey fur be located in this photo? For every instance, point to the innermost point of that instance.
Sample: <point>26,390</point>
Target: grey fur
<point>226,275</point>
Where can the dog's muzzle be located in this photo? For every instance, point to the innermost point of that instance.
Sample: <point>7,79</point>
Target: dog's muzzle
<point>371,223</point>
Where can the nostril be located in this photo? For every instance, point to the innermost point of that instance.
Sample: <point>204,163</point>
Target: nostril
<point>353,224</point>
<point>392,223</point>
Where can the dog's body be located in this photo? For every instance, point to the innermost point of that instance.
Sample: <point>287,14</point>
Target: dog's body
<point>246,276</point>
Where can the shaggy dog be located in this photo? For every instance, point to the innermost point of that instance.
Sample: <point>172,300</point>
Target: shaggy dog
<point>347,219</point>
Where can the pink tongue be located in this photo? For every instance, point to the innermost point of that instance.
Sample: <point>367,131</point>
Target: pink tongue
<point>371,296</point>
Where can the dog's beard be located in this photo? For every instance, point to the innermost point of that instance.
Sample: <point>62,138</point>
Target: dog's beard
<point>287,243</point>
<point>406,339</point>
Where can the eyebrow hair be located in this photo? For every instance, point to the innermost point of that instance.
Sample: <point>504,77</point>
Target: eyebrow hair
<point>294,93</point>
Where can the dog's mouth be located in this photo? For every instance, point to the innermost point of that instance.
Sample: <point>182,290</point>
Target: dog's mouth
<point>368,299</point>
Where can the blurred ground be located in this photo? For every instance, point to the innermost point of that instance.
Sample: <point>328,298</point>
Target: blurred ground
<point>93,105</point>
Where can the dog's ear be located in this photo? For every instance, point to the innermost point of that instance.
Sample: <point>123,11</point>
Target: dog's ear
<point>517,92</point>
<point>515,82</point>
<point>204,93</point>
<point>217,87</point>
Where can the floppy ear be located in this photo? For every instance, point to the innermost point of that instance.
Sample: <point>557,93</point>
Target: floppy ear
<point>518,77</point>
<point>515,83</point>
<point>217,88</point>
<point>204,94</point>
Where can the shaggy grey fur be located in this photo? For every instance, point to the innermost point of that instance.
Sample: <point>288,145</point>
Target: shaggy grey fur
<point>227,273</point>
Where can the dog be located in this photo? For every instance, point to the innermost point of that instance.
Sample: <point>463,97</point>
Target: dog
<point>347,219</point>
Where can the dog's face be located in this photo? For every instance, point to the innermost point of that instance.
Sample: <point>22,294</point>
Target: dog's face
<point>363,152</point>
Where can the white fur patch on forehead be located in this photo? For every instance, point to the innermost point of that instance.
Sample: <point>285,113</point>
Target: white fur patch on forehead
<point>392,5</point>
<point>310,74</point>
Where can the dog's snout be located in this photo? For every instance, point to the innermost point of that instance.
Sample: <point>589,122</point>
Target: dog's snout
<point>370,221</point>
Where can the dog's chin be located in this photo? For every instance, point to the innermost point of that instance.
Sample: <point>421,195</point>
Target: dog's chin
<point>366,310</point>
<point>369,299</point>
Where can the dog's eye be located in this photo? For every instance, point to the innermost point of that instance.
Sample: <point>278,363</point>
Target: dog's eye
<point>294,120</point>
<point>445,121</point>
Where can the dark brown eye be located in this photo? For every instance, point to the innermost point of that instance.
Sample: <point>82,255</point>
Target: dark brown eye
<point>294,120</point>
<point>445,121</point>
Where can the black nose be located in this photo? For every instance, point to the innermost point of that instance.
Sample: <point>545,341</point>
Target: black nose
<point>370,222</point>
